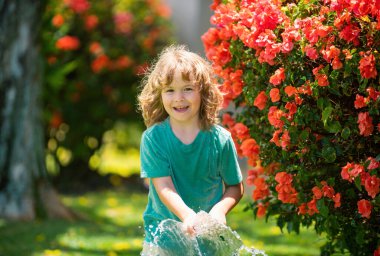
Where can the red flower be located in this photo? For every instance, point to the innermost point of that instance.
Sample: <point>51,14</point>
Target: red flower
<point>302,209</point>
<point>336,63</point>
<point>56,119</point>
<point>362,8</point>
<point>377,252</point>
<point>223,53</point>
<point>365,124</point>
<point>373,94</point>
<point>328,191</point>
<point>298,100</point>
<point>100,63</point>
<point>336,199</point>
<point>373,164</point>
<point>58,20</point>
<point>286,192</point>
<point>123,22</point>
<point>261,210</point>
<point>227,120</point>
<point>261,100</point>
<point>285,140</point>
<point>236,82</point>
<point>341,19</point>
<point>372,185</point>
<point>68,43</point>
<point>365,208</point>
<point>261,190</point>
<point>241,131</point>
<point>283,178</point>
<point>96,48</point>
<point>78,6</point>
<point>351,171</point>
<point>305,89</point>
<point>331,53</point>
<point>91,22</point>
<point>367,67</point>
<point>253,174</point>
<point>360,101</point>
<point>290,90</point>
<point>311,52</point>
<point>312,207</point>
<point>274,117</point>
<point>317,192</point>
<point>276,138</point>
<point>291,107</point>
<point>347,54</point>
<point>322,80</point>
<point>274,94</point>
<point>249,147</point>
<point>122,62</point>
<point>350,33</point>
<point>278,77</point>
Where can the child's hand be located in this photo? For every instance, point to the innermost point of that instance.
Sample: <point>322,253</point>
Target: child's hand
<point>188,223</point>
<point>219,216</point>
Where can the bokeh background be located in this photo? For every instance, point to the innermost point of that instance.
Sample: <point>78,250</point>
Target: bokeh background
<point>70,129</point>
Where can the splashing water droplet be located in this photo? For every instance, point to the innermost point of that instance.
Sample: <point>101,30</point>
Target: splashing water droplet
<point>211,238</point>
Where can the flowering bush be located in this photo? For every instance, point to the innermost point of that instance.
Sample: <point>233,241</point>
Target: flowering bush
<point>94,53</point>
<point>304,77</point>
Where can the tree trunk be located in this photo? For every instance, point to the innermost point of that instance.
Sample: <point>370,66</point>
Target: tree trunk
<point>24,182</point>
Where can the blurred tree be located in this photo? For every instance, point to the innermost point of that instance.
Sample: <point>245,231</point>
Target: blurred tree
<point>94,52</point>
<point>24,187</point>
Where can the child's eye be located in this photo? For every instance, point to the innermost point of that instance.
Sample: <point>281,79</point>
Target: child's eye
<point>168,90</point>
<point>189,89</point>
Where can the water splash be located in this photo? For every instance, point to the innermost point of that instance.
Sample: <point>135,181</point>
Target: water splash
<point>211,238</point>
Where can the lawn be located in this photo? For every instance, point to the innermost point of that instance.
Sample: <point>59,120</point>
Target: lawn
<point>113,226</point>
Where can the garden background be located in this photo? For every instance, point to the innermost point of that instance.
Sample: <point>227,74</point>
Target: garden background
<point>70,131</point>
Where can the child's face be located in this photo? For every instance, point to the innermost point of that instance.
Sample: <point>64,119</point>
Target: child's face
<point>182,101</point>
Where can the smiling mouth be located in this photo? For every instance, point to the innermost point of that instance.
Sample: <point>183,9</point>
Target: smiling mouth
<point>181,109</point>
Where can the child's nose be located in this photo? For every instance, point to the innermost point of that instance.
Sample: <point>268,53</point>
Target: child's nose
<point>179,96</point>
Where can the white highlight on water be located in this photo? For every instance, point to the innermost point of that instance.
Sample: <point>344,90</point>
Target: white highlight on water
<point>211,238</point>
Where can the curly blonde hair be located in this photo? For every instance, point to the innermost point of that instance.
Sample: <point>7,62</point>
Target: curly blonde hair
<point>161,73</point>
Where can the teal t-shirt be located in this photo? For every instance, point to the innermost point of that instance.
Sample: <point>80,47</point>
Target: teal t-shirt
<point>198,170</point>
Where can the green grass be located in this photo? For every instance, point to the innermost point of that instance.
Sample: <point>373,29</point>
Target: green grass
<point>114,227</point>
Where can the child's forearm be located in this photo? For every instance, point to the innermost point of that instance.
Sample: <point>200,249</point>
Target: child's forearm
<point>231,197</point>
<point>170,197</point>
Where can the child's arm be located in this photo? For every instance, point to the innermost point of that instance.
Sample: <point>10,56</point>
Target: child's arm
<point>172,200</point>
<point>231,197</point>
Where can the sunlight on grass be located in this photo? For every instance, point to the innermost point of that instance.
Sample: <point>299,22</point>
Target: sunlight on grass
<point>114,227</point>
<point>100,242</point>
<point>116,161</point>
<point>119,153</point>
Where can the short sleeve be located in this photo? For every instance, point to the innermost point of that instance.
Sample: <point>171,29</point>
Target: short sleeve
<point>230,169</point>
<point>153,161</point>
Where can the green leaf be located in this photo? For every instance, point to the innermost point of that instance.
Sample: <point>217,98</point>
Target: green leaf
<point>329,154</point>
<point>280,222</point>
<point>304,135</point>
<point>322,208</point>
<point>346,132</point>
<point>358,182</point>
<point>363,85</point>
<point>333,127</point>
<point>359,237</point>
<point>289,226</point>
<point>326,114</point>
<point>56,77</point>
<point>321,103</point>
